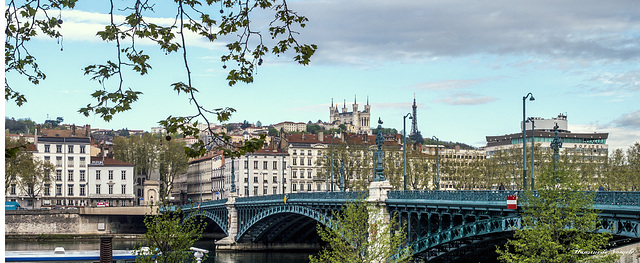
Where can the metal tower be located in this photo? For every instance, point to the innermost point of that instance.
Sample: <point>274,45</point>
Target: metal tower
<point>414,122</point>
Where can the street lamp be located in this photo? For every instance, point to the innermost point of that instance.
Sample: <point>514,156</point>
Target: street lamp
<point>524,142</point>
<point>533,139</point>
<point>327,180</point>
<point>331,162</point>
<point>437,162</point>
<point>404,146</point>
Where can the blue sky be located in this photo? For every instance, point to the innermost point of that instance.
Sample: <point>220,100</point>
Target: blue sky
<point>469,63</point>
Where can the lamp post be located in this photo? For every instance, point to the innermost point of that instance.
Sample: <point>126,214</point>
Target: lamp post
<point>404,146</point>
<point>524,142</point>
<point>437,162</point>
<point>341,176</point>
<point>331,162</point>
<point>533,139</point>
<point>233,176</point>
<point>327,180</point>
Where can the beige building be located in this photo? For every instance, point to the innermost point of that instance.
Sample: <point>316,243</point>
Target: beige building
<point>357,122</point>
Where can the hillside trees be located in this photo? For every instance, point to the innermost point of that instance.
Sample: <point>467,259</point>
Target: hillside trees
<point>233,25</point>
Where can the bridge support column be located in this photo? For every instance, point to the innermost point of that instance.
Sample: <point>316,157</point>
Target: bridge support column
<point>378,213</point>
<point>232,222</point>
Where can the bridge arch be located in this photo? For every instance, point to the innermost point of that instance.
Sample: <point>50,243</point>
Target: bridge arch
<point>259,222</point>
<point>218,214</point>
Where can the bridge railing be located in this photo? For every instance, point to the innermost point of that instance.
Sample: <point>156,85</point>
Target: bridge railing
<point>303,196</point>
<point>205,204</point>
<point>601,197</point>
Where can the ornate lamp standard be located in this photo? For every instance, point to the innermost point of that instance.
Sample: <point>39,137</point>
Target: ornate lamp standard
<point>437,162</point>
<point>404,146</point>
<point>524,142</point>
<point>283,167</point>
<point>379,141</point>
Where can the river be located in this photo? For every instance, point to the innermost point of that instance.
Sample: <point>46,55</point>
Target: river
<point>124,244</point>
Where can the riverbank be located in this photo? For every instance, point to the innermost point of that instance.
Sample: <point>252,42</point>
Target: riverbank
<point>71,236</point>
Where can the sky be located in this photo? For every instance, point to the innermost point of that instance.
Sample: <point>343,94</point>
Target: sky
<point>467,63</point>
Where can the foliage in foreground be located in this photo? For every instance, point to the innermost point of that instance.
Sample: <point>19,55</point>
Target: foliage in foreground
<point>169,237</point>
<point>559,224</point>
<point>352,237</point>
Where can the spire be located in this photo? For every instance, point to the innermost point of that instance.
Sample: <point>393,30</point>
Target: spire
<point>367,99</point>
<point>355,99</point>
<point>345,103</point>
<point>331,102</point>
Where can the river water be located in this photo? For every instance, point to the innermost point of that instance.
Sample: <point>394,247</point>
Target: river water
<point>124,244</point>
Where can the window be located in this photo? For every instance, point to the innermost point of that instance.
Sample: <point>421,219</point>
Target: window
<point>123,202</point>
<point>70,175</point>
<point>255,179</point>
<point>309,152</point>
<point>309,187</point>
<point>70,192</point>
<point>246,191</point>
<point>255,164</point>
<point>58,190</point>
<point>83,162</point>
<point>47,189</point>
<point>284,164</point>
<point>110,174</point>
<point>97,189</point>
<point>70,161</point>
<point>295,161</point>
<point>301,152</point>
<point>47,148</point>
<point>246,164</point>
<point>275,165</point>
<point>294,187</point>
<point>13,189</point>
<point>255,190</point>
<point>301,187</point>
<point>58,148</point>
<point>275,179</point>
<point>47,158</point>
<point>82,149</point>
<point>124,188</point>
<point>58,161</point>
<point>264,165</point>
<point>29,190</point>
<point>82,190</point>
<point>70,149</point>
<point>309,162</point>
<point>82,173</point>
<point>97,174</point>
<point>294,152</point>
<point>294,173</point>
<point>309,174</point>
<point>318,187</point>
<point>110,189</point>
<point>275,190</point>
<point>264,190</point>
<point>302,174</point>
<point>123,175</point>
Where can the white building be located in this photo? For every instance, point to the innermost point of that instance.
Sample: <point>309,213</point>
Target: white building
<point>69,150</point>
<point>256,174</point>
<point>203,180</point>
<point>289,127</point>
<point>111,181</point>
<point>358,122</point>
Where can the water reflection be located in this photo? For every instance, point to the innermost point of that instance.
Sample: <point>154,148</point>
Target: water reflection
<point>129,244</point>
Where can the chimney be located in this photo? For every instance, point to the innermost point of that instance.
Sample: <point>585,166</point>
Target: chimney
<point>88,130</point>
<point>321,136</point>
<point>73,129</point>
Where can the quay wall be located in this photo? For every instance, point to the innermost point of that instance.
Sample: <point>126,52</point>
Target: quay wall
<point>63,222</point>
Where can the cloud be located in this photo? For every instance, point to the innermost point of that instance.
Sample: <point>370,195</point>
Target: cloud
<point>362,31</point>
<point>448,84</point>
<point>465,98</point>
<point>629,120</point>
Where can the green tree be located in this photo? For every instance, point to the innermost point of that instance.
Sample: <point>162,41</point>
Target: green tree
<point>234,22</point>
<point>273,131</point>
<point>172,162</point>
<point>169,237</point>
<point>30,175</point>
<point>24,126</point>
<point>353,237</point>
<point>633,158</point>
<point>314,128</point>
<point>557,222</point>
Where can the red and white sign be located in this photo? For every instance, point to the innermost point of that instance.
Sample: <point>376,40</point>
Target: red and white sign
<point>102,204</point>
<point>512,202</point>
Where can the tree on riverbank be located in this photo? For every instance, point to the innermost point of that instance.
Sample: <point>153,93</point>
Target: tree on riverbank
<point>558,221</point>
<point>26,175</point>
<point>353,237</point>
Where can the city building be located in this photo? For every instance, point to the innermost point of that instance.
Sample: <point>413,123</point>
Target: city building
<point>69,150</point>
<point>256,174</point>
<point>111,181</point>
<point>357,122</point>
<point>593,144</point>
<point>203,180</point>
<point>289,127</point>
